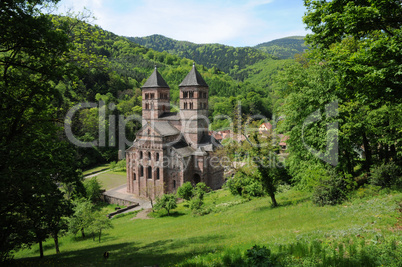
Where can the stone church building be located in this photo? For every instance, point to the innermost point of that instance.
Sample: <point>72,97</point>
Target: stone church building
<point>172,148</point>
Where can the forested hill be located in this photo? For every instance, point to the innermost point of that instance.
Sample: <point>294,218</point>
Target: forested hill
<point>285,47</point>
<point>224,58</point>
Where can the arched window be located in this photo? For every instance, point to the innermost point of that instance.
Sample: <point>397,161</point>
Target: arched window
<point>141,155</point>
<point>157,156</point>
<point>149,172</point>
<point>157,174</point>
<point>141,171</point>
<point>149,155</point>
<point>174,183</point>
<point>134,177</point>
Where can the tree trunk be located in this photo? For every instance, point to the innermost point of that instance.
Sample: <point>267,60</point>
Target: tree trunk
<point>100,233</point>
<point>41,249</point>
<point>56,243</point>
<point>367,150</point>
<point>274,203</point>
<point>82,233</point>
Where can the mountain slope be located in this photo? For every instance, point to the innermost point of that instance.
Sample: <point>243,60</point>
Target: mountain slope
<point>284,48</point>
<point>222,57</point>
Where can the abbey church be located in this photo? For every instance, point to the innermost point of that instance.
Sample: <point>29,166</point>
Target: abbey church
<point>172,148</point>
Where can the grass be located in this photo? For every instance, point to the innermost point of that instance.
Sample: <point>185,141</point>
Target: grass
<point>236,225</point>
<point>111,179</point>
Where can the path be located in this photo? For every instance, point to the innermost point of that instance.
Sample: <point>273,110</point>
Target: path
<point>95,174</point>
<point>121,193</point>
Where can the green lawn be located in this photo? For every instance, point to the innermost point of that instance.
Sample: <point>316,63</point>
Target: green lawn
<point>111,179</point>
<point>184,239</point>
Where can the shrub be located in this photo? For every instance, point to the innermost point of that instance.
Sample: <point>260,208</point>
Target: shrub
<point>244,186</point>
<point>259,257</point>
<point>330,192</point>
<point>386,175</point>
<point>200,190</point>
<point>185,191</point>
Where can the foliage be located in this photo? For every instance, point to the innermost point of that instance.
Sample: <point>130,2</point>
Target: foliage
<point>93,189</point>
<point>331,191</point>
<point>258,256</point>
<point>284,48</point>
<point>167,202</point>
<point>101,222</point>
<point>185,191</point>
<point>34,158</point>
<point>386,175</point>
<point>243,185</point>
<point>82,218</point>
<point>221,57</point>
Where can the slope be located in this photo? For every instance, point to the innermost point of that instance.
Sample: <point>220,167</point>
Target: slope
<point>224,58</point>
<point>284,48</point>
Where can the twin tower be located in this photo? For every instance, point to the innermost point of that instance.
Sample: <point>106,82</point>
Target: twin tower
<point>192,118</point>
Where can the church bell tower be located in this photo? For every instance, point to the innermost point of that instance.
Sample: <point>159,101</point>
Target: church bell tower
<point>194,107</point>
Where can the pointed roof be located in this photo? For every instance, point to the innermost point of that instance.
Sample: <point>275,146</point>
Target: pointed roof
<point>155,80</point>
<point>194,78</point>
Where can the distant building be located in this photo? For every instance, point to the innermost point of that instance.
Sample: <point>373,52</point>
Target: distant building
<point>173,148</point>
<point>265,128</point>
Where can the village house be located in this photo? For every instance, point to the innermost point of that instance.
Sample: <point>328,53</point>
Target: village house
<point>172,148</point>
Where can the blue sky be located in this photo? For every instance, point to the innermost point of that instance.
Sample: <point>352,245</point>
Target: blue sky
<point>230,22</point>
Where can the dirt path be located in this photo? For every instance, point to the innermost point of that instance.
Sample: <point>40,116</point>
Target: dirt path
<point>143,214</point>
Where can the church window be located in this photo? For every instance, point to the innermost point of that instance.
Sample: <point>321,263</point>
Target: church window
<point>149,132</point>
<point>185,94</point>
<point>134,177</point>
<point>174,183</point>
<point>149,155</point>
<point>191,105</point>
<point>157,156</point>
<point>157,174</point>
<point>141,171</point>
<point>185,105</point>
<point>149,172</point>
<point>146,96</point>
<point>141,155</point>
<point>191,94</point>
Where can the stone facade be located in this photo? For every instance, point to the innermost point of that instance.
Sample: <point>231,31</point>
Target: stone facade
<point>173,148</point>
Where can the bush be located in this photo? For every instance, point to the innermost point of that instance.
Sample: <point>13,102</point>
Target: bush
<point>330,192</point>
<point>259,257</point>
<point>200,190</point>
<point>242,185</point>
<point>386,175</point>
<point>185,191</point>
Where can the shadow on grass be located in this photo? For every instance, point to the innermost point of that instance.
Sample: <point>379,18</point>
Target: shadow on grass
<point>162,253</point>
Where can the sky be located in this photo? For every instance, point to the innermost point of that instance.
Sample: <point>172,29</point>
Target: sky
<point>230,22</point>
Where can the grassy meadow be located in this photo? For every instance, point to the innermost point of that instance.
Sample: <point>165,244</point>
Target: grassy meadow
<point>233,226</point>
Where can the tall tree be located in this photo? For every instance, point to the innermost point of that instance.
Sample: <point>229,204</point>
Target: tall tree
<point>33,57</point>
<point>362,42</point>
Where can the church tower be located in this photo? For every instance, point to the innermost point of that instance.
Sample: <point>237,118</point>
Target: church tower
<point>194,107</point>
<point>155,97</point>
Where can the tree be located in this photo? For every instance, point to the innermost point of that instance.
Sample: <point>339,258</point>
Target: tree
<point>361,42</point>
<point>256,158</point>
<point>33,158</point>
<point>93,189</point>
<point>167,202</point>
<point>83,217</point>
<point>101,222</point>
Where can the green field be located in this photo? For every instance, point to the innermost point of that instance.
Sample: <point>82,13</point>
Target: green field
<point>234,226</point>
<point>111,179</point>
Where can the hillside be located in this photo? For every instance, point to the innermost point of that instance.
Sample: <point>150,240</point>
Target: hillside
<point>284,48</point>
<point>222,57</point>
<point>361,232</point>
